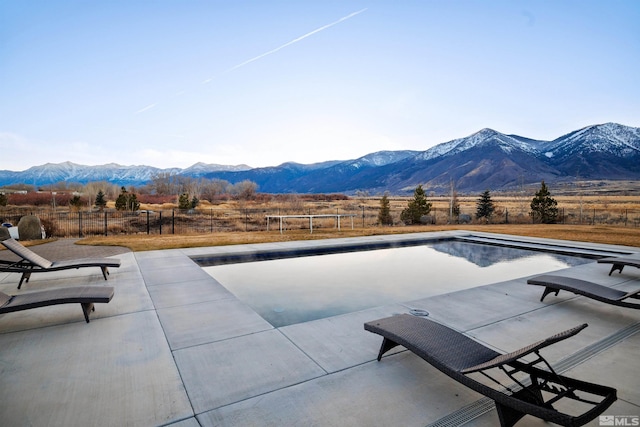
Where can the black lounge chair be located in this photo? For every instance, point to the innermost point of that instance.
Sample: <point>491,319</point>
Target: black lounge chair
<point>554,284</point>
<point>619,262</point>
<point>534,390</point>
<point>85,295</point>
<point>31,262</point>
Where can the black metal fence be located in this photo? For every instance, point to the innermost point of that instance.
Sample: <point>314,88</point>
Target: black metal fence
<point>203,221</point>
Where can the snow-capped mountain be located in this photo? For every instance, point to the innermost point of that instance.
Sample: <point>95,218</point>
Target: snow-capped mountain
<point>200,169</point>
<point>484,137</point>
<point>51,173</point>
<point>610,138</point>
<point>484,160</point>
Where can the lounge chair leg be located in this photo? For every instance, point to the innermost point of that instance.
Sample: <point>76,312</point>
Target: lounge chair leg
<point>25,277</point>
<point>508,416</point>
<point>615,267</point>
<point>387,345</point>
<point>547,291</point>
<point>87,307</point>
<point>532,394</point>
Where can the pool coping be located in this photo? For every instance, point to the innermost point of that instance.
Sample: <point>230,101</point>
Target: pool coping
<point>252,253</point>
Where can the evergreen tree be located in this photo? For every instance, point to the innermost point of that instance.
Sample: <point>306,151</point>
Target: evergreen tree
<point>123,198</point>
<point>76,202</point>
<point>183,201</point>
<point>3,199</point>
<point>101,202</point>
<point>384,215</point>
<point>485,206</point>
<point>133,202</point>
<point>127,201</point>
<point>194,202</point>
<point>544,207</point>
<point>416,208</point>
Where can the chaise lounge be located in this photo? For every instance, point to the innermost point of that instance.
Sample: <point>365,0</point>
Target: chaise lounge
<point>554,284</point>
<point>531,390</point>
<point>85,295</point>
<point>619,262</point>
<point>31,262</point>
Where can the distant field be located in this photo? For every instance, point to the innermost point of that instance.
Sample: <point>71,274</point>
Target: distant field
<point>617,235</point>
<point>604,218</point>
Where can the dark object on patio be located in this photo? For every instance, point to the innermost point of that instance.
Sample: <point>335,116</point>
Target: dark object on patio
<point>459,357</point>
<point>554,284</point>
<point>31,262</point>
<point>619,262</point>
<point>85,295</point>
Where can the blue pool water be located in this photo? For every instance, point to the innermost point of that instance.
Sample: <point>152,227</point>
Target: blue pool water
<point>294,290</point>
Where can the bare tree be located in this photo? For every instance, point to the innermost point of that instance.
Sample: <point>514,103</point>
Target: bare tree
<point>244,190</point>
<point>91,189</point>
<point>213,188</point>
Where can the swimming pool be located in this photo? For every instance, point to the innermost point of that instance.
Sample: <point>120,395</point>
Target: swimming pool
<point>295,290</point>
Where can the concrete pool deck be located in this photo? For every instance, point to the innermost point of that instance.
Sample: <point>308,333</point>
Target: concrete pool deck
<point>174,347</point>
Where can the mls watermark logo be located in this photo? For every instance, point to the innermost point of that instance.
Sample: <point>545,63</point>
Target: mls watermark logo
<point>620,420</point>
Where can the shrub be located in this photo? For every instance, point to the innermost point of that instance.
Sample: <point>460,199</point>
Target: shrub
<point>50,227</point>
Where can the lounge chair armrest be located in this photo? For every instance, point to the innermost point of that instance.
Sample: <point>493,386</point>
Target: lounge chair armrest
<point>505,359</point>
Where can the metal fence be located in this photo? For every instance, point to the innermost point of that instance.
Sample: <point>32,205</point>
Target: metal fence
<point>203,221</point>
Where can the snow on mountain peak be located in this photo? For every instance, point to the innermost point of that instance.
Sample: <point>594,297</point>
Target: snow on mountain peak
<point>607,137</point>
<point>485,136</point>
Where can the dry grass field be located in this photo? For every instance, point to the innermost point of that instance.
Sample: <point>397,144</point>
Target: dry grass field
<point>518,206</point>
<point>607,231</point>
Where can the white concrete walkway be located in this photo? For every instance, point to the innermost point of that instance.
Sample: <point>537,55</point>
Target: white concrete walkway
<point>174,347</point>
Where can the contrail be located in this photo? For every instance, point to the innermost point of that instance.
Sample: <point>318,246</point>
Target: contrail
<point>272,51</point>
<point>296,40</point>
<point>148,107</point>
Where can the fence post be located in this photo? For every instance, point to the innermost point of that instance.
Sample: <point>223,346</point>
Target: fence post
<point>79,223</point>
<point>210,220</point>
<point>160,219</point>
<point>106,223</point>
<point>147,221</point>
<point>173,221</point>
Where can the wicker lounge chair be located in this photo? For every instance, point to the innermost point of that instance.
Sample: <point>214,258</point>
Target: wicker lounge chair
<point>554,284</point>
<point>31,262</point>
<point>531,390</point>
<point>619,262</point>
<point>85,295</point>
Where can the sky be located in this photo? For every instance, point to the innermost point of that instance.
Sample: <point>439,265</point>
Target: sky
<point>263,82</point>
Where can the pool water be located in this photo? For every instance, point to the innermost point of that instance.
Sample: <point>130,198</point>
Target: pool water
<point>295,290</point>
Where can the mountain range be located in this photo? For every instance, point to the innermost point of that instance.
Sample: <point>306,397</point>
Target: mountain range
<point>485,160</point>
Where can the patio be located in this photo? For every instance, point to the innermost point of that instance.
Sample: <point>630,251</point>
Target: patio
<point>174,347</point>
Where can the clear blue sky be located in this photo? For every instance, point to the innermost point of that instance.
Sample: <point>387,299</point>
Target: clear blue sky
<point>172,83</point>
